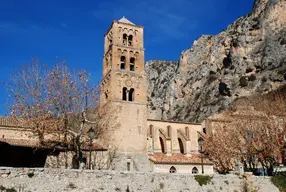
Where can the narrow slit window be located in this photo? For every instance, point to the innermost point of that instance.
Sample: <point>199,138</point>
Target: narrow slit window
<point>132,64</point>
<point>124,92</point>
<point>128,166</point>
<point>131,95</point>
<point>122,63</point>
<point>130,40</point>
<point>162,145</point>
<point>124,39</point>
<point>181,145</point>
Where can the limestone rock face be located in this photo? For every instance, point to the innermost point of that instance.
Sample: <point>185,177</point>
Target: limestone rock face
<point>248,57</point>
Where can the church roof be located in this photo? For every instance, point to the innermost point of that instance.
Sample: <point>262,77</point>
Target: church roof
<point>124,20</point>
<point>25,143</point>
<point>37,144</point>
<point>177,158</point>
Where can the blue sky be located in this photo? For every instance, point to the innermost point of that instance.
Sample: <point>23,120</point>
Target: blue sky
<point>73,30</point>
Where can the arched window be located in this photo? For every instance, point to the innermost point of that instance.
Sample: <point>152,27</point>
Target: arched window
<point>162,145</point>
<point>132,64</point>
<point>169,131</point>
<point>181,145</point>
<point>124,39</point>
<point>124,92</point>
<point>131,95</point>
<point>173,170</point>
<point>130,39</point>
<point>151,128</point>
<point>122,63</point>
<point>195,170</point>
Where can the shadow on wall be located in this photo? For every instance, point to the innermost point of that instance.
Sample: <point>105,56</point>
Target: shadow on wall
<point>12,156</point>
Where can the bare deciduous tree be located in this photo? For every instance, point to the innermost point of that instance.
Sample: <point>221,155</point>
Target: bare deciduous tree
<point>253,133</point>
<point>55,103</point>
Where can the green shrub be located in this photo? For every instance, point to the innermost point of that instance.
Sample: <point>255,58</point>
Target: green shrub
<point>243,81</point>
<point>279,181</point>
<point>203,179</point>
<point>252,77</point>
<point>30,174</point>
<point>4,189</point>
<point>71,185</point>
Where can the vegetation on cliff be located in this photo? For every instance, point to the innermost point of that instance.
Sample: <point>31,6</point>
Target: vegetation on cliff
<point>246,58</point>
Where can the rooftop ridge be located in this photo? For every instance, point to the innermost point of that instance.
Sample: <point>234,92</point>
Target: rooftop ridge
<point>125,20</point>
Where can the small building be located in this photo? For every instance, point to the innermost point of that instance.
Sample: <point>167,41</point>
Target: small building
<point>20,147</point>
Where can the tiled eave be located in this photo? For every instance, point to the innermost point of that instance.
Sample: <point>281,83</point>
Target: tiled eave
<point>178,158</point>
<point>47,145</point>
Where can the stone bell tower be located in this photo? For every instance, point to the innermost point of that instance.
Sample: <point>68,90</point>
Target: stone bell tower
<point>123,87</point>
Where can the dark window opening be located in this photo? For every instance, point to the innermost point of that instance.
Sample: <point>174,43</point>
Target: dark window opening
<point>130,39</point>
<point>204,131</point>
<point>181,146</point>
<point>124,91</point>
<point>128,166</point>
<point>131,95</point>
<point>173,170</point>
<point>132,64</point>
<point>151,130</point>
<point>195,170</point>
<point>122,63</point>
<point>124,39</point>
<point>162,145</point>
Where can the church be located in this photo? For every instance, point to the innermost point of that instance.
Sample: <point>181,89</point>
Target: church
<point>139,144</point>
<point>142,144</point>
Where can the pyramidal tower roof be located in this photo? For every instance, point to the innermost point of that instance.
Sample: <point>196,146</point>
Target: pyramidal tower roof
<point>124,20</point>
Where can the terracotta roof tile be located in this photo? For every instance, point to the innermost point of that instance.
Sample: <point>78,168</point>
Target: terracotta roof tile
<point>177,158</point>
<point>37,144</point>
<point>95,147</point>
<point>10,122</point>
<point>24,143</point>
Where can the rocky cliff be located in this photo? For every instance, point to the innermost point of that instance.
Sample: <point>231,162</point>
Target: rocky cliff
<point>248,57</point>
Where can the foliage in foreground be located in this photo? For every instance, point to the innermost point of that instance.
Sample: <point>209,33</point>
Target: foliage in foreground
<point>203,179</point>
<point>251,131</point>
<point>58,104</point>
<point>279,180</point>
<point>4,189</point>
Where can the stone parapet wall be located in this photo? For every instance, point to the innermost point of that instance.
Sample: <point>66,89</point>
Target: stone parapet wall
<point>51,180</point>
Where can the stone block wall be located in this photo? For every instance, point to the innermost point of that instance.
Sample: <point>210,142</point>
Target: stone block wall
<point>52,180</point>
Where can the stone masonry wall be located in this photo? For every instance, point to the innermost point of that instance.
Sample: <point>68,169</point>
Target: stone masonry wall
<point>51,180</point>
